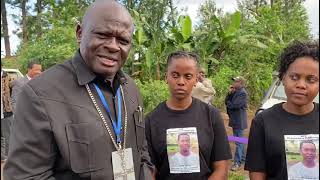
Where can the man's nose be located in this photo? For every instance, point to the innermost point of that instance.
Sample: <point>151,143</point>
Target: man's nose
<point>112,44</point>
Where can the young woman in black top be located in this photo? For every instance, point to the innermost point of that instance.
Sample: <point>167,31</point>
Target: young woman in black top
<point>200,154</point>
<point>298,116</point>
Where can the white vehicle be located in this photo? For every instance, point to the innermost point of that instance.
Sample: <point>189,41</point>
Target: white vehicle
<point>13,73</point>
<point>275,95</point>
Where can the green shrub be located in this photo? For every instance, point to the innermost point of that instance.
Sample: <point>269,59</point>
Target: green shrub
<point>235,176</point>
<point>258,79</point>
<point>54,47</point>
<point>10,63</point>
<point>153,93</point>
<point>221,82</point>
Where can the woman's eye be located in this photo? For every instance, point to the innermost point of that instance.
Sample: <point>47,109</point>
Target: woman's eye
<point>175,75</point>
<point>312,80</point>
<point>294,77</point>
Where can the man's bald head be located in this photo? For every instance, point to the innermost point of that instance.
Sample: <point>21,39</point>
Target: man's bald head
<point>111,7</point>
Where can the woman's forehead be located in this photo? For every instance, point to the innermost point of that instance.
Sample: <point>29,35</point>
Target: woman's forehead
<point>182,63</point>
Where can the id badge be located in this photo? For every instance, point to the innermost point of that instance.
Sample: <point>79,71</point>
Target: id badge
<point>122,164</point>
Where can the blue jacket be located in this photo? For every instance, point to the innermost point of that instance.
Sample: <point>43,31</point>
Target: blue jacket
<point>237,109</point>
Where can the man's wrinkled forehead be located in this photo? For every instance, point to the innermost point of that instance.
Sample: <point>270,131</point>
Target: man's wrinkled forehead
<point>110,25</point>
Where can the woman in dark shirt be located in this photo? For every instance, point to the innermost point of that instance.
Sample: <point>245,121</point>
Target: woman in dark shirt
<point>186,137</point>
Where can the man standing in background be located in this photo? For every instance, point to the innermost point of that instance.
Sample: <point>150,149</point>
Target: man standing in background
<point>237,109</point>
<point>203,90</point>
<point>34,69</point>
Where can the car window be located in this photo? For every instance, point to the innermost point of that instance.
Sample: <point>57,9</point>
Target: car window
<point>279,93</point>
<point>13,75</point>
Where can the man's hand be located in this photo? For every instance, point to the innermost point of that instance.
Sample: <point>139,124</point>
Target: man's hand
<point>231,89</point>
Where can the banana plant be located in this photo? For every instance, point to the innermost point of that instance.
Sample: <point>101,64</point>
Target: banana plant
<point>181,37</point>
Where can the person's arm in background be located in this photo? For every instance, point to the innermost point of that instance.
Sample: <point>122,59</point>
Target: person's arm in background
<point>220,153</point>
<point>150,149</point>
<point>257,176</point>
<point>146,160</point>
<point>255,158</point>
<point>229,94</point>
<point>33,150</point>
<point>220,170</point>
<point>16,89</point>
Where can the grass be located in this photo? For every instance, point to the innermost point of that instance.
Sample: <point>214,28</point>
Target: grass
<point>235,176</point>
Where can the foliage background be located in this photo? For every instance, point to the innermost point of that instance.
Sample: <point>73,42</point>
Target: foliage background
<point>245,43</point>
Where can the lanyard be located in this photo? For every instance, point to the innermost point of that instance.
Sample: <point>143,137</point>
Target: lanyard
<point>116,125</point>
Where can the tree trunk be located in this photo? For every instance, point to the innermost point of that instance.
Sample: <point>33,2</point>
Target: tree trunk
<point>158,75</point>
<point>39,11</point>
<point>24,21</point>
<point>172,13</point>
<point>130,5</point>
<point>5,28</point>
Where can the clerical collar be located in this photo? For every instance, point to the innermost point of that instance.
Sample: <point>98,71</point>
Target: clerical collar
<point>119,78</point>
<point>29,78</point>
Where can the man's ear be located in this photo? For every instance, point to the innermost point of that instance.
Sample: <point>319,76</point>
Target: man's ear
<point>79,33</point>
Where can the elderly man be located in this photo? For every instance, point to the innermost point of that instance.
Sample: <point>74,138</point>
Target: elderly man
<point>83,119</point>
<point>237,111</point>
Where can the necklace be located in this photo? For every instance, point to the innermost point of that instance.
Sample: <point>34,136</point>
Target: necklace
<point>117,145</point>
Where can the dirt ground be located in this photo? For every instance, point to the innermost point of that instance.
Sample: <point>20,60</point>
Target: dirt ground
<point>229,132</point>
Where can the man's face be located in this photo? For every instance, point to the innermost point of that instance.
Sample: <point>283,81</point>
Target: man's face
<point>34,71</point>
<point>237,84</point>
<point>105,39</point>
<point>308,151</point>
<point>202,75</point>
<point>184,143</point>
<point>181,77</point>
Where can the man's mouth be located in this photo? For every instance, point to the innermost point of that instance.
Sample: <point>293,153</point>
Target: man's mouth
<point>106,61</point>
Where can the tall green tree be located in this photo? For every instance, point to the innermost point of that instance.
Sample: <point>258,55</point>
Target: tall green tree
<point>21,20</point>
<point>152,20</point>
<point>57,41</point>
<point>5,29</point>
